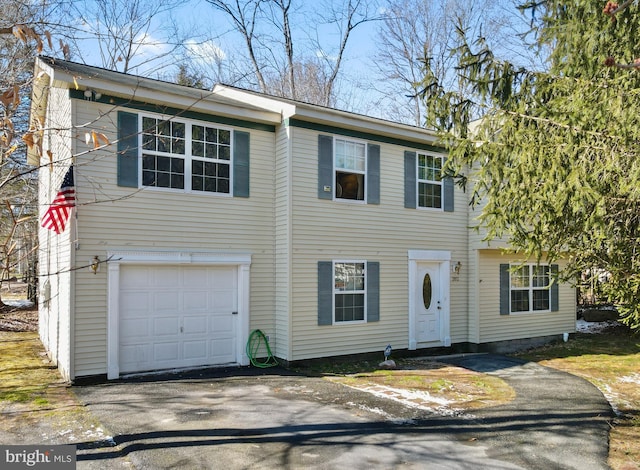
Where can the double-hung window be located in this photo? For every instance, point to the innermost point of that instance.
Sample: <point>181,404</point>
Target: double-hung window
<point>429,181</point>
<point>186,155</point>
<point>349,291</point>
<point>350,163</point>
<point>529,288</point>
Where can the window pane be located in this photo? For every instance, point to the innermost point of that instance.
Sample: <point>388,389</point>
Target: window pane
<point>430,195</point>
<point>148,162</point>
<point>520,277</point>
<point>223,186</point>
<point>350,186</point>
<point>148,178</point>
<point>429,167</point>
<point>541,299</point>
<point>163,144</point>
<point>163,163</point>
<point>178,130</point>
<point>212,134</point>
<point>163,180</point>
<point>350,155</point>
<point>148,142</point>
<point>197,149</point>
<point>349,307</point>
<point>224,153</point>
<point>223,170</point>
<point>224,137</point>
<point>177,181</point>
<point>519,300</point>
<point>177,146</point>
<point>164,128</point>
<point>210,185</point>
<point>540,276</point>
<point>197,132</point>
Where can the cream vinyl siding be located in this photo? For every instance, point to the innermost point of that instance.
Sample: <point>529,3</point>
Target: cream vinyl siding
<point>496,327</point>
<point>119,218</point>
<point>325,230</point>
<point>280,343</point>
<point>55,254</point>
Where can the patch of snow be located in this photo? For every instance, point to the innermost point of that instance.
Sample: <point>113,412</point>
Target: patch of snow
<point>413,399</point>
<point>631,379</point>
<point>20,303</point>
<point>383,413</point>
<point>583,326</point>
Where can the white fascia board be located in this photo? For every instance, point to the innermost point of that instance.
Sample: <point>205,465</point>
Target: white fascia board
<point>346,120</point>
<point>183,97</point>
<point>327,116</point>
<point>282,107</point>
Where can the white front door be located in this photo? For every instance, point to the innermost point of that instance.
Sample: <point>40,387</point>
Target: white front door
<point>429,318</point>
<point>428,302</point>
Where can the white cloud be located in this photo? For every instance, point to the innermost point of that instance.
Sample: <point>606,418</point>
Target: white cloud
<point>207,52</point>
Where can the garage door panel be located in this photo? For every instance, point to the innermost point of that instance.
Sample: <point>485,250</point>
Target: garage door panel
<point>196,300</point>
<point>136,300</point>
<point>195,350</point>
<point>166,351</point>
<point>132,329</point>
<point>196,324</point>
<point>139,278</point>
<point>166,301</point>
<point>220,350</point>
<point>166,326</point>
<point>177,316</point>
<point>223,301</point>
<point>197,278</point>
<point>165,277</point>
<point>220,281</point>
<point>134,355</point>
<point>222,325</point>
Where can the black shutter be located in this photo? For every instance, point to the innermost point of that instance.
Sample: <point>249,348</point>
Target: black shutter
<point>325,293</point>
<point>555,302</point>
<point>447,193</point>
<point>504,289</point>
<point>410,178</point>
<point>127,149</point>
<point>241,174</point>
<point>373,174</point>
<point>325,167</point>
<point>373,291</point>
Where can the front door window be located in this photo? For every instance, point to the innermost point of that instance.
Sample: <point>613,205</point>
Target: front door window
<point>427,291</point>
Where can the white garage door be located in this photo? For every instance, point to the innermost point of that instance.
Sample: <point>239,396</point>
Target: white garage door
<point>177,316</point>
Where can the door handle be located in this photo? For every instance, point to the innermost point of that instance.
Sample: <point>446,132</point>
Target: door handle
<point>234,313</point>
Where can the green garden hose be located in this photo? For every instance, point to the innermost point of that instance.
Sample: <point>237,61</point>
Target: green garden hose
<point>254,348</point>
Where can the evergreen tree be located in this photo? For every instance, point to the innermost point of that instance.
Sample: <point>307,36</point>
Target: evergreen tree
<point>552,159</point>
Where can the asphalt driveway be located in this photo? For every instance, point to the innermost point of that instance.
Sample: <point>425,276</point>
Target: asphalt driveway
<point>253,419</point>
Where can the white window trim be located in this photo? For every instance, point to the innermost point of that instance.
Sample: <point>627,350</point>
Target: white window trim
<point>530,289</point>
<point>117,258</point>
<point>187,157</point>
<point>334,291</point>
<point>366,169</point>
<point>418,181</point>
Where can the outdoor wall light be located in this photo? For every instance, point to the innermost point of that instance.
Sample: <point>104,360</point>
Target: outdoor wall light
<point>457,267</point>
<point>95,266</point>
<point>91,94</point>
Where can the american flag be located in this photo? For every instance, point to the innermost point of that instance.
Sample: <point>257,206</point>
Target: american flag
<point>58,213</point>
